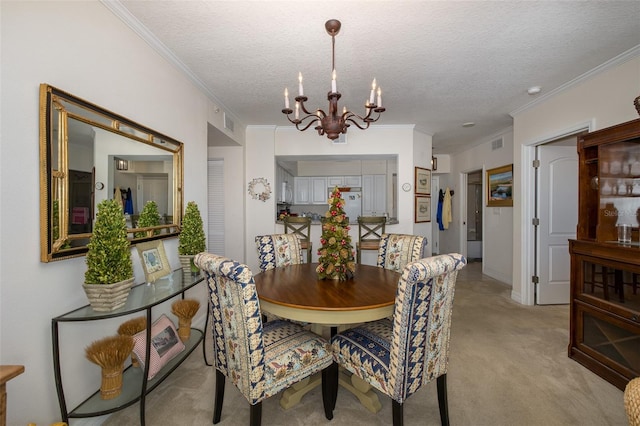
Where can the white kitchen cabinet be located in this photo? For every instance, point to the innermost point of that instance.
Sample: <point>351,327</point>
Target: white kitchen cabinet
<point>310,190</point>
<point>318,190</point>
<point>302,190</point>
<point>374,195</point>
<point>353,181</point>
<point>333,181</point>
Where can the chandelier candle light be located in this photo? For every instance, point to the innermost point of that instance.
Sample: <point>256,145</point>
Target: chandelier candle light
<point>332,124</point>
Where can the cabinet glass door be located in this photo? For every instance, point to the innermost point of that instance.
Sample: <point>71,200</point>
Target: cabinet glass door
<point>617,286</point>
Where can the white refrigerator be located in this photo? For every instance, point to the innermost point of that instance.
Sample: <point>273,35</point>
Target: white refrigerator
<point>352,205</point>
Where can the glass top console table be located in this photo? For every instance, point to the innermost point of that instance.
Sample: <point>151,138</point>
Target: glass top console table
<point>135,386</point>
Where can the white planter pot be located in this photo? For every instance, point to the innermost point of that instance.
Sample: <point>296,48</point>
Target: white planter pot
<point>108,297</point>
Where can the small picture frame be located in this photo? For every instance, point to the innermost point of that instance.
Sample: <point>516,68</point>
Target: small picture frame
<point>154,260</point>
<point>423,181</point>
<point>423,209</point>
<point>500,186</point>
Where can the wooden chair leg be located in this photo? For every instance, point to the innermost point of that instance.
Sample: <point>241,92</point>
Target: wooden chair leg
<point>442,400</point>
<point>334,382</point>
<point>397,413</point>
<point>219,397</point>
<point>328,389</point>
<point>255,417</point>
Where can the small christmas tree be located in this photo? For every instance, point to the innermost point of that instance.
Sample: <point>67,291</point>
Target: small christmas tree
<point>149,216</point>
<point>336,254</point>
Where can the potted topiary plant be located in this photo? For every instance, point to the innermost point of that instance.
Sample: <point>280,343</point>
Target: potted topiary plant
<point>149,216</point>
<point>191,240</point>
<point>109,274</point>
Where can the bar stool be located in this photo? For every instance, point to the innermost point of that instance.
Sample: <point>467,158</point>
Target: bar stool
<point>301,228</point>
<point>370,230</point>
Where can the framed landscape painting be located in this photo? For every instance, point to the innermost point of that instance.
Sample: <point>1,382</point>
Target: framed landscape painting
<point>500,186</point>
<point>423,181</point>
<point>423,209</point>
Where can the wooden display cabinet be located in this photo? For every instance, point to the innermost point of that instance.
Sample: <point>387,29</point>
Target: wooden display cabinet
<point>605,274</point>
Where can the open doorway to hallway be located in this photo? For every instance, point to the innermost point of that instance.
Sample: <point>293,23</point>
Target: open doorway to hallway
<point>474,216</point>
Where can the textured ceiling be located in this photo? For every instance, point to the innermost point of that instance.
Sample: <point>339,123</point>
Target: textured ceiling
<point>439,63</point>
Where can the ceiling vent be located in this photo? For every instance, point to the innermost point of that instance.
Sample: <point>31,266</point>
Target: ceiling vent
<point>228,122</point>
<point>496,144</point>
<point>342,139</point>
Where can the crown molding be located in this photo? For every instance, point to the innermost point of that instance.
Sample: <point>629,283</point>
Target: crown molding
<point>132,22</point>
<point>612,63</point>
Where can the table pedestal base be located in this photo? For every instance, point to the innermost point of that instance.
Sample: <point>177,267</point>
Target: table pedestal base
<point>294,394</point>
<point>362,390</point>
<point>354,384</point>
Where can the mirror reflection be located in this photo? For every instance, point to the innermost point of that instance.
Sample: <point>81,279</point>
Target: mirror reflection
<point>89,154</point>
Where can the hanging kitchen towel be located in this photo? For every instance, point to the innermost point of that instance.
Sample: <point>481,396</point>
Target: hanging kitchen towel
<point>439,211</point>
<point>446,209</point>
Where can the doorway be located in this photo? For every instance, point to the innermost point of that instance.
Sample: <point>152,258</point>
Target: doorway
<point>556,213</point>
<point>474,216</point>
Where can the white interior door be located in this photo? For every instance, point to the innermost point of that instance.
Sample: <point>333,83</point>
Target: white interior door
<point>557,191</point>
<point>215,207</point>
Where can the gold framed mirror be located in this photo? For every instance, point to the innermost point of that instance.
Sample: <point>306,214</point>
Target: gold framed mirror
<point>88,154</point>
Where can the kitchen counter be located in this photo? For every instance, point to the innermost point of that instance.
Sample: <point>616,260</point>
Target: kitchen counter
<point>392,221</point>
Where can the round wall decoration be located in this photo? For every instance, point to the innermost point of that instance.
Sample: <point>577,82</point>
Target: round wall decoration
<point>260,189</point>
<point>406,187</point>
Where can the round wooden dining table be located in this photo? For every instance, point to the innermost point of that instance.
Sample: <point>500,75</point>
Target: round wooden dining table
<point>295,292</point>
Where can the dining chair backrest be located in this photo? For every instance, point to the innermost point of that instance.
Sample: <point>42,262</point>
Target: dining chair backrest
<point>300,227</point>
<point>370,230</point>
<point>397,250</point>
<point>278,250</point>
<point>237,323</point>
<point>261,360</point>
<point>421,327</point>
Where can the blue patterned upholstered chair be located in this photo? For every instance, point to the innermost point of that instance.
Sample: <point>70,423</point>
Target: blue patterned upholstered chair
<point>398,357</point>
<point>396,250</point>
<point>260,360</point>
<point>278,250</point>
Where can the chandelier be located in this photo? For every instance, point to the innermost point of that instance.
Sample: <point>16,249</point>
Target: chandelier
<point>333,123</point>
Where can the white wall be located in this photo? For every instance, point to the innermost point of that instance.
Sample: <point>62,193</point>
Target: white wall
<point>497,221</point>
<point>603,100</point>
<point>82,48</point>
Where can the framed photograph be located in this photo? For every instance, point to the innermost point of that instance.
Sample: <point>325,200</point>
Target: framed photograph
<point>500,186</point>
<point>423,209</point>
<point>154,260</point>
<point>423,181</point>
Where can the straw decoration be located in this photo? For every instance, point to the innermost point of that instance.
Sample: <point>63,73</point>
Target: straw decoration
<point>131,328</point>
<point>110,352</point>
<point>185,310</point>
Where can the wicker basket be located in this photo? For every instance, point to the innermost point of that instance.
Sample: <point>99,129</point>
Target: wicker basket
<point>108,297</point>
<point>632,401</point>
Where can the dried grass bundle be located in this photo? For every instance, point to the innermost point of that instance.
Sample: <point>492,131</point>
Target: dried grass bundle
<point>133,326</point>
<point>185,310</point>
<point>110,354</point>
<point>130,328</point>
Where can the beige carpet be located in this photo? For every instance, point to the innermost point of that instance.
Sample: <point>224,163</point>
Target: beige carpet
<point>508,366</point>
